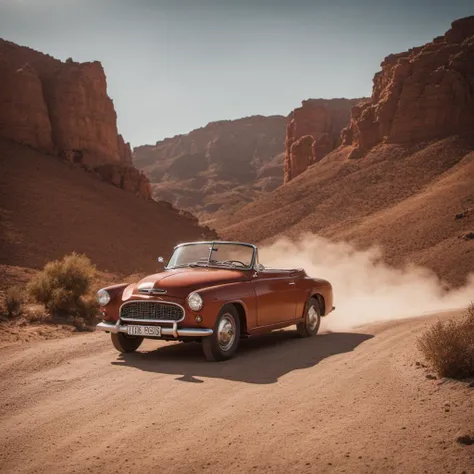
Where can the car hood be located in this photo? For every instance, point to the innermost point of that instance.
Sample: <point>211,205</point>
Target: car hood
<point>181,281</point>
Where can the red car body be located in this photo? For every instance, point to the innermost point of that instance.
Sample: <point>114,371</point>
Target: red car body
<point>257,300</point>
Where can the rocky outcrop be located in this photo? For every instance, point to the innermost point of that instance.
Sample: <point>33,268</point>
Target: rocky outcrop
<point>125,177</point>
<point>313,131</point>
<point>419,95</point>
<point>218,167</point>
<point>301,155</point>
<point>63,108</point>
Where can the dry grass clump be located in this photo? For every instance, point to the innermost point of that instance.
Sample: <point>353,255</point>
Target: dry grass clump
<point>63,285</point>
<point>449,346</point>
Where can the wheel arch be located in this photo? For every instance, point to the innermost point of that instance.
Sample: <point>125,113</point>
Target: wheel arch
<point>240,308</point>
<point>321,301</point>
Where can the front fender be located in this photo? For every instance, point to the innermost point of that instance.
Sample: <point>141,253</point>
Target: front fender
<point>215,297</point>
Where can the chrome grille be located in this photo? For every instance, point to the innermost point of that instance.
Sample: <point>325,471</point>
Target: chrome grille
<point>152,311</point>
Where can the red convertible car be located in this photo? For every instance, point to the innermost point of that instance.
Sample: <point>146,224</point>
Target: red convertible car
<point>215,293</point>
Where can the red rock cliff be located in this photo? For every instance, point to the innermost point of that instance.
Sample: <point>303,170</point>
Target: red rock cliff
<point>313,131</point>
<point>420,95</point>
<point>64,108</point>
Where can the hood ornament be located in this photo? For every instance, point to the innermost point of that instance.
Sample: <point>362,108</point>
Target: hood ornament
<point>158,291</point>
<point>149,290</point>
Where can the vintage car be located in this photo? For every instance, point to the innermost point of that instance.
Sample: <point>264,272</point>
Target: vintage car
<point>215,293</point>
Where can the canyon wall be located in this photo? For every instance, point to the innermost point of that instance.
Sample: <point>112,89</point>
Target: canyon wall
<point>420,95</point>
<point>313,131</point>
<point>63,108</point>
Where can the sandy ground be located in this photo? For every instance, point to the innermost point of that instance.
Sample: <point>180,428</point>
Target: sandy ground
<point>342,402</point>
<point>23,331</point>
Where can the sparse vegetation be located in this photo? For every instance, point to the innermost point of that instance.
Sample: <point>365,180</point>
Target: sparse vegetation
<point>62,286</point>
<point>14,299</point>
<point>449,346</point>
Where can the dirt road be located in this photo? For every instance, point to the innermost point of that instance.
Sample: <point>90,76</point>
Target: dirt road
<point>343,402</point>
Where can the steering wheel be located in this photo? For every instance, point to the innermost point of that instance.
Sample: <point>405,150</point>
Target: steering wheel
<point>235,261</point>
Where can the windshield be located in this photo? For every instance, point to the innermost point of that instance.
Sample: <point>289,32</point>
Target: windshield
<point>212,254</point>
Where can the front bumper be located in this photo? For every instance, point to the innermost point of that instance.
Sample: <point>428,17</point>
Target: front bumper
<point>165,331</point>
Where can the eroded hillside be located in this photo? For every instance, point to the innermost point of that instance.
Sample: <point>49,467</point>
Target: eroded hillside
<point>217,169</point>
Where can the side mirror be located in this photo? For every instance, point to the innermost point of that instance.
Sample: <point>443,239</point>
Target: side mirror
<point>259,267</point>
<point>161,259</point>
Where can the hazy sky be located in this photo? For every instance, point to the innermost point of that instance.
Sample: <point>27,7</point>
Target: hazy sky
<point>175,65</point>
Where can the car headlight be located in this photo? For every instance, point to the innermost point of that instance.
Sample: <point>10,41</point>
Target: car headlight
<point>194,301</point>
<point>103,297</point>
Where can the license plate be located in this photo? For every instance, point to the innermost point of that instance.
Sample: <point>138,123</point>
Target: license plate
<point>154,331</point>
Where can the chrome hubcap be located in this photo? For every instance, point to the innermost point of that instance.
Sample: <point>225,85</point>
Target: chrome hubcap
<point>226,332</point>
<point>313,318</point>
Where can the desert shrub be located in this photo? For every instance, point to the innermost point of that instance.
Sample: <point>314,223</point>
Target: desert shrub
<point>14,299</point>
<point>449,346</point>
<point>62,285</point>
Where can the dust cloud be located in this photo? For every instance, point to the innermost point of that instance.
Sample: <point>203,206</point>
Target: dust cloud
<point>365,288</point>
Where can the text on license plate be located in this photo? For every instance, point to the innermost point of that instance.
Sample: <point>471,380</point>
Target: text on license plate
<point>154,331</point>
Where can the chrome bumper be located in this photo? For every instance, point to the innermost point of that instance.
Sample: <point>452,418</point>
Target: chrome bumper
<point>173,331</point>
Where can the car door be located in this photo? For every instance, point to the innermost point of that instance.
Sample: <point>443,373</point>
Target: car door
<point>276,296</point>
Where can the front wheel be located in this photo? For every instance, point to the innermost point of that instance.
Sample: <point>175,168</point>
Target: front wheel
<point>312,319</point>
<point>124,343</point>
<point>224,341</point>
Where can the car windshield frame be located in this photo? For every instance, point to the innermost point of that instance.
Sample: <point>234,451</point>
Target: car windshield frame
<point>208,264</point>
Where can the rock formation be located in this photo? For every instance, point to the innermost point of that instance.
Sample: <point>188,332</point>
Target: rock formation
<point>302,154</point>
<point>217,167</point>
<point>419,95</point>
<point>313,131</point>
<point>63,108</point>
<point>82,115</point>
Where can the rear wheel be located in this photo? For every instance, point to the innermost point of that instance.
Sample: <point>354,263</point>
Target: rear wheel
<point>312,319</point>
<point>224,341</point>
<point>124,343</point>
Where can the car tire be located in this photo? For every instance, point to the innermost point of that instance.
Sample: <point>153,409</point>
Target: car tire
<point>224,342</point>
<point>124,343</point>
<point>312,319</point>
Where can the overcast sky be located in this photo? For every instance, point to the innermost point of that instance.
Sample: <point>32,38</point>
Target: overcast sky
<point>175,65</point>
